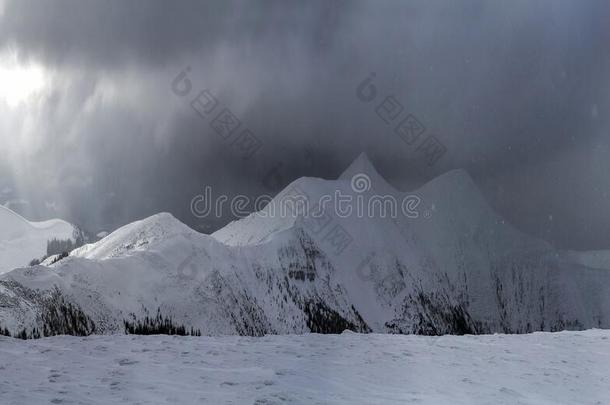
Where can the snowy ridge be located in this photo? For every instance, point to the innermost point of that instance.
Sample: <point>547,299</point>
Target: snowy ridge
<point>134,237</point>
<point>599,259</point>
<point>22,241</point>
<point>460,269</point>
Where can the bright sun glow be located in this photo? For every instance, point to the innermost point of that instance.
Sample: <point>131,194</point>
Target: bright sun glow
<point>19,82</point>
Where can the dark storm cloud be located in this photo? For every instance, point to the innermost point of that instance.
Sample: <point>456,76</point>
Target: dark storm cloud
<point>517,92</point>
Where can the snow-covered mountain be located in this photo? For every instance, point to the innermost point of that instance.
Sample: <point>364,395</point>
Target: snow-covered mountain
<point>454,267</point>
<point>21,241</point>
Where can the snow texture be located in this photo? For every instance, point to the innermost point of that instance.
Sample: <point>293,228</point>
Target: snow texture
<point>541,368</point>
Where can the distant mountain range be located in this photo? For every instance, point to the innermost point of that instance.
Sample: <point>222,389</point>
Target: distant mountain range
<point>454,267</point>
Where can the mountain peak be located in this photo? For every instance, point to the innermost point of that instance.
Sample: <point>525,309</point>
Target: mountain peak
<point>135,236</point>
<point>362,165</point>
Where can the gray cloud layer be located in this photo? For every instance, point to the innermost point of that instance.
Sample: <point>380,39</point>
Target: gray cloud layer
<point>517,91</point>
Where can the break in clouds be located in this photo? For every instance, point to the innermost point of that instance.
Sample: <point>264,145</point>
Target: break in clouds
<point>517,92</point>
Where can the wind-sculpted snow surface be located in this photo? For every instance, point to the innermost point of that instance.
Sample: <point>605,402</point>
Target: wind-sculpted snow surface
<point>457,268</point>
<point>564,368</point>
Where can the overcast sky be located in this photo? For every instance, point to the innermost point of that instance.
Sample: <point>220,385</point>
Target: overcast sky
<point>518,92</point>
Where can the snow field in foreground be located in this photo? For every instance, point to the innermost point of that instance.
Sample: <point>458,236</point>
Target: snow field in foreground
<point>540,368</point>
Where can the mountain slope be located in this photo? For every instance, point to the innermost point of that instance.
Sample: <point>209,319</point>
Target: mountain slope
<point>455,267</point>
<point>21,240</point>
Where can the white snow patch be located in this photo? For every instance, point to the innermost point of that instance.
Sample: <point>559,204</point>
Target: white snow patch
<point>21,241</point>
<point>541,368</point>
